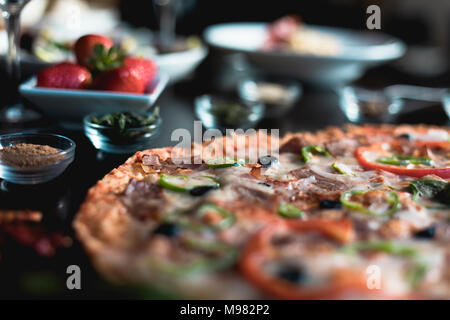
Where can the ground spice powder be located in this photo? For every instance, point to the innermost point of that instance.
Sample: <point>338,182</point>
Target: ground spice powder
<point>27,155</point>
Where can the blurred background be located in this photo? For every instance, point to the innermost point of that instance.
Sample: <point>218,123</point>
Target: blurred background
<point>423,25</point>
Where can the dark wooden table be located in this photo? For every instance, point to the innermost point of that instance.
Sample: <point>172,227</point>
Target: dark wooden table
<point>25,274</point>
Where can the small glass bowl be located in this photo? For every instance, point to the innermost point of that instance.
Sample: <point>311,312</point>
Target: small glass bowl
<point>446,102</point>
<point>39,174</point>
<point>362,105</point>
<point>245,114</point>
<point>278,94</point>
<point>111,140</point>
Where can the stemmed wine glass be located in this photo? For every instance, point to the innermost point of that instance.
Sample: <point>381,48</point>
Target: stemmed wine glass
<point>166,10</point>
<point>15,111</point>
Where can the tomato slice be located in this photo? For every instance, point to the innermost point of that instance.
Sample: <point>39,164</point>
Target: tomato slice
<point>343,281</point>
<point>339,230</point>
<point>259,250</point>
<point>360,155</point>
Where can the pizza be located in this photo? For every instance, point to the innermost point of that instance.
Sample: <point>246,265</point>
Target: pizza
<point>358,212</point>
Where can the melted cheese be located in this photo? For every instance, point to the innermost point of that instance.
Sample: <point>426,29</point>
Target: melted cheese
<point>282,170</point>
<point>320,265</point>
<point>432,135</point>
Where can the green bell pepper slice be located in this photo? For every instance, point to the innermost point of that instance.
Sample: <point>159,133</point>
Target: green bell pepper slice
<point>404,160</point>
<point>288,210</point>
<point>225,162</point>
<point>184,183</point>
<point>308,151</point>
<point>184,221</point>
<point>393,200</point>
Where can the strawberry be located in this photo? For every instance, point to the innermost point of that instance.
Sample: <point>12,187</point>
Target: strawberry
<point>64,75</point>
<point>122,79</point>
<point>85,48</point>
<point>133,76</point>
<point>147,69</point>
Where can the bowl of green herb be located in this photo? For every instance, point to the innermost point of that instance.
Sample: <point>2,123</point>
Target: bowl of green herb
<point>227,113</point>
<point>122,132</point>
